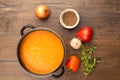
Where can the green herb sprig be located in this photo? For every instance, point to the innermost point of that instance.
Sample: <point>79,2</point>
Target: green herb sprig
<point>88,60</point>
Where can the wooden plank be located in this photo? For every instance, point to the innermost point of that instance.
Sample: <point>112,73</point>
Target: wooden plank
<point>10,70</point>
<point>102,15</point>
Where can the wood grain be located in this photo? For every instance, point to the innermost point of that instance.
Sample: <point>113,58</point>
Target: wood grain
<point>102,15</point>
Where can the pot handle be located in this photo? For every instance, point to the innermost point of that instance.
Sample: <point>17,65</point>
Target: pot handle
<point>62,72</point>
<point>24,27</point>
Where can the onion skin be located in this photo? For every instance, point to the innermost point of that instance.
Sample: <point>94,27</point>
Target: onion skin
<point>42,11</point>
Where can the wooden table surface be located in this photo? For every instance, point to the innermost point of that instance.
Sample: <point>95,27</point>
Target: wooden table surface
<point>102,15</point>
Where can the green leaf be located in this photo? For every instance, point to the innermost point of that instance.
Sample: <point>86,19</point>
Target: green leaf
<point>88,60</point>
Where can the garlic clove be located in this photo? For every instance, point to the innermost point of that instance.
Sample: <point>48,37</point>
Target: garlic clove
<point>75,43</point>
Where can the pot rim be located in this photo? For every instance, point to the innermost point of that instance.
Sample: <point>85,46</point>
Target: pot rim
<point>27,70</point>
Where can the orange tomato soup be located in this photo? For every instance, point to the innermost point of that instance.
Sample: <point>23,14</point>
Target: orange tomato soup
<point>41,52</point>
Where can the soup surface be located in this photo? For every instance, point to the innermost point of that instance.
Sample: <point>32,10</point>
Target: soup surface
<point>41,52</point>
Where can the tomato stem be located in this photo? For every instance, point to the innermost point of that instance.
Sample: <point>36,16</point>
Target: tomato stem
<point>69,70</point>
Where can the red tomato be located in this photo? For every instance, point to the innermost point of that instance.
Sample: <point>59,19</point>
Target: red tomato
<point>42,11</point>
<point>73,63</point>
<point>85,34</point>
